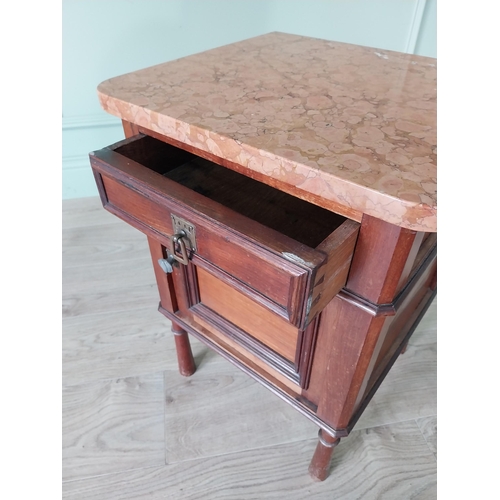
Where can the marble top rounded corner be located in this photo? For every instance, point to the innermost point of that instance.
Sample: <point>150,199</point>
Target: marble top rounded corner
<point>351,125</point>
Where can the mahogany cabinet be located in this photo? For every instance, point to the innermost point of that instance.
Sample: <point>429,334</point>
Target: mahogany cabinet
<point>311,294</point>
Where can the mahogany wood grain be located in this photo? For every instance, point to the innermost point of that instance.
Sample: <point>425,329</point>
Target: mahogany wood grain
<point>182,295</point>
<point>274,277</point>
<point>417,288</point>
<point>185,357</point>
<point>332,275</point>
<point>168,300</point>
<point>219,332</point>
<point>399,326</point>
<point>267,269</point>
<point>410,261</point>
<point>271,275</point>
<point>264,287</point>
<point>361,348</point>
<point>281,186</point>
<point>151,218</point>
<point>381,257</point>
<point>113,161</point>
<point>100,187</point>
<point>262,324</point>
<point>347,337</point>
<point>130,129</point>
<point>305,341</point>
<point>164,281</point>
<point>320,462</point>
<point>244,342</point>
<point>416,274</point>
<point>231,351</point>
<point>277,266</point>
<point>304,354</point>
<point>253,367</point>
<point>407,305</point>
<point>379,376</point>
<point>297,219</point>
<point>243,288</point>
<point>429,242</point>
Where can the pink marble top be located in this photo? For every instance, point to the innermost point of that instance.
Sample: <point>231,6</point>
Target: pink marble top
<point>355,126</point>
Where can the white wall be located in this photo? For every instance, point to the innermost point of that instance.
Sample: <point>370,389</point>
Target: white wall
<point>427,40</point>
<point>106,38</point>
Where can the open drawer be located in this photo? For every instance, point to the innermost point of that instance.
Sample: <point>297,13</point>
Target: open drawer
<point>284,254</point>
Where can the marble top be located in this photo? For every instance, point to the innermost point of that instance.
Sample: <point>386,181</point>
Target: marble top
<point>355,126</point>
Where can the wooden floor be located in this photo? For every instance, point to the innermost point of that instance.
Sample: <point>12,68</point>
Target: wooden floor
<point>133,428</point>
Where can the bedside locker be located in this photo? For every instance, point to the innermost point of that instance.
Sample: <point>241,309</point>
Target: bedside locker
<point>287,189</point>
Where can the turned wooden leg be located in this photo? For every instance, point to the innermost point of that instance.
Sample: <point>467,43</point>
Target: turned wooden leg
<point>184,353</point>
<point>320,463</point>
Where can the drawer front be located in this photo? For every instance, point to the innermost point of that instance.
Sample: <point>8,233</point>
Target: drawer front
<point>271,269</point>
<point>260,274</point>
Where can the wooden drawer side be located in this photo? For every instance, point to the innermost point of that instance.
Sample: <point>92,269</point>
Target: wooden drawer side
<point>332,275</point>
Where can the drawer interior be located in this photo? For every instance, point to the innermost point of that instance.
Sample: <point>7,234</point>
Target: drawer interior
<point>297,219</point>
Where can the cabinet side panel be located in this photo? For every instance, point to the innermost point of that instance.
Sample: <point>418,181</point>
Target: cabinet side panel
<point>400,325</point>
<point>380,258</point>
<point>346,341</point>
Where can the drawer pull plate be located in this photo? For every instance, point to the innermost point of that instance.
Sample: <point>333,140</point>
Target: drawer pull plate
<point>187,229</point>
<point>183,241</point>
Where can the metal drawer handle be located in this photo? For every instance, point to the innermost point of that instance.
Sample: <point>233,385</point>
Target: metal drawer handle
<point>177,240</point>
<point>181,245</point>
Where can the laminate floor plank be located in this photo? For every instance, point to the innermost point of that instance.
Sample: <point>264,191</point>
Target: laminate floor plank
<point>103,275</point>
<point>114,345</point>
<point>239,413</point>
<point>409,391</point>
<point>428,427</point>
<point>106,268</point>
<point>83,212</point>
<point>88,302</point>
<point>111,426</point>
<point>121,344</point>
<point>109,242</point>
<point>220,409</point>
<point>385,463</point>
<point>425,333</point>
